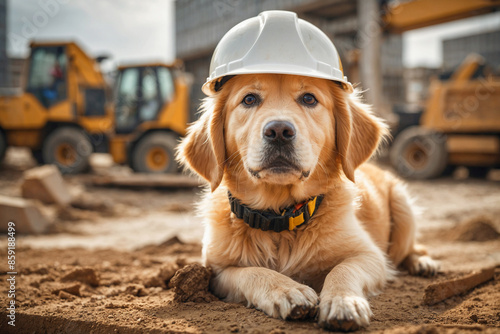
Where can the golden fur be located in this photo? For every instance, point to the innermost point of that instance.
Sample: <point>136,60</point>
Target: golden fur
<point>364,226</point>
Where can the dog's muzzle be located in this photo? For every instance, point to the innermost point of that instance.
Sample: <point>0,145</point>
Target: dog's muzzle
<point>279,137</point>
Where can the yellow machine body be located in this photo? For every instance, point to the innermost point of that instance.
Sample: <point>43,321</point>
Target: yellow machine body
<point>466,109</point>
<point>23,117</point>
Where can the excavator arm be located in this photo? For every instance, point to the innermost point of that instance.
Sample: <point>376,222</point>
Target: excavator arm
<point>422,13</point>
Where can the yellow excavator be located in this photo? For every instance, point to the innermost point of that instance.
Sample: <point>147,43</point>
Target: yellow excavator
<point>64,113</point>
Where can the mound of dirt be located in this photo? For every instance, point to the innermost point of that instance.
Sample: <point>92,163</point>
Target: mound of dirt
<point>481,228</point>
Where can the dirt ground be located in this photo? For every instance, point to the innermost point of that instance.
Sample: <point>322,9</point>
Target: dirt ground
<point>108,266</point>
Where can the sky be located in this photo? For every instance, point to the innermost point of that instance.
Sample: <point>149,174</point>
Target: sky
<point>143,30</point>
<point>129,30</point>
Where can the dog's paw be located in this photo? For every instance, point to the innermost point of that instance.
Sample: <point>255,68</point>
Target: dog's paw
<point>298,302</point>
<point>344,313</point>
<point>423,266</point>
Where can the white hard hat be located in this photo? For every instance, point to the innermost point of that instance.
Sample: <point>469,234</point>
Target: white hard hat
<point>275,42</point>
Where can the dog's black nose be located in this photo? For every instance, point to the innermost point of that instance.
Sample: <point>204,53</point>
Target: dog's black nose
<point>275,131</point>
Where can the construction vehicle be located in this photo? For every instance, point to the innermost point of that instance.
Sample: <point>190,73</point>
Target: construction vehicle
<point>62,114</point>
<point>460,126</point>
<point>151,113</point>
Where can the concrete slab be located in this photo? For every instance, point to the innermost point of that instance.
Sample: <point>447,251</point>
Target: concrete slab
<point>45,184</point>
<point>24,213</point>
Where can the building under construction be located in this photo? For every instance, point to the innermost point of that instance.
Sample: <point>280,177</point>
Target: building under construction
<point>486,44</point>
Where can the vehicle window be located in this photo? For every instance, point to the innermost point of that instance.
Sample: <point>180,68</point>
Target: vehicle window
<point>47,75</point>
<point>127,88</point>
<point>127,98</point>
<point>150,101</point>
<point>166,84</point>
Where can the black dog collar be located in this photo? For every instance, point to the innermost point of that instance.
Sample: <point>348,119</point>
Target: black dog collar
<point>288,220</point>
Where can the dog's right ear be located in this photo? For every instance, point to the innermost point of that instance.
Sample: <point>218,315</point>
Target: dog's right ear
<point>203,149</point>
<point>358,131</point>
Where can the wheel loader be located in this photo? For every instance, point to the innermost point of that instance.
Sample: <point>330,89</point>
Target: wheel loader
<point>63,114</point>
<point>151,113</point>
<point>460,126</point>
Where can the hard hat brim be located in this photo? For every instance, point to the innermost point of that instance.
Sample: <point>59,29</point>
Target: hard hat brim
<point>209,90</point>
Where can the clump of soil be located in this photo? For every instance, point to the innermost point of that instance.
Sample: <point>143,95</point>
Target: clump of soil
<point>191,284</point>
<point>137,290</point>
<point>84,275</point>
<point>73,289</point>
<point>87,202</point>
<point>70,214</point>
<point>481,228</point>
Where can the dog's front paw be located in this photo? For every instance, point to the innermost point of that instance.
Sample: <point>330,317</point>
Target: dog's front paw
<point>295,303</point>
<point>345,313</point>
<point>423,266</point>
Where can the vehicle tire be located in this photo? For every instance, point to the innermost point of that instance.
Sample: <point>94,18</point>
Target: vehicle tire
<point>38,156</point>
<point>3,145</point>
<point>69,149</point>
<point>419,153</point>
<point>155,153</point>
<point>478,172</point>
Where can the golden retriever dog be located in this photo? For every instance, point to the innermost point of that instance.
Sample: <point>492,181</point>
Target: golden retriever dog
<point>270,142</point>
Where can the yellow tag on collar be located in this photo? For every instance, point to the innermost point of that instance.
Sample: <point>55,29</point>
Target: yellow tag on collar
<point>293,222</point>
<point>312,206</point>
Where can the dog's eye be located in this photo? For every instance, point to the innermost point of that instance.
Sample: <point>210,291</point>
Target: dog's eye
<point>309,99</point>
<point>249,100</point>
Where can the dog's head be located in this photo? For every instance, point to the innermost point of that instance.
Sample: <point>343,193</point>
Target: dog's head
<point>281,130</point>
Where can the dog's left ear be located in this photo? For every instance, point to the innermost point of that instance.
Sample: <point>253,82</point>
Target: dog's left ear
<point>357,131</point>
<point>203,149</point>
